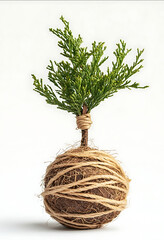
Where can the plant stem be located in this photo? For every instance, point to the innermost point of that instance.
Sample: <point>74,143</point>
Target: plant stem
<point>84,139</point>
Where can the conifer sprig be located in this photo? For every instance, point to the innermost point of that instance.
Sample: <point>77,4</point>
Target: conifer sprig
<point>78,81</point>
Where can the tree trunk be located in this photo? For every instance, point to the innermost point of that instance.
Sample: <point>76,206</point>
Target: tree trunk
<point>84,139</point>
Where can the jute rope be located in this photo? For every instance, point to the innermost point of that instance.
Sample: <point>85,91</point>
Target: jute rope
<point>115,179</point>
<point>84,121</point>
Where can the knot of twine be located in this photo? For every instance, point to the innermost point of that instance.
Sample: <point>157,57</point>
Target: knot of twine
<point>84,121</point>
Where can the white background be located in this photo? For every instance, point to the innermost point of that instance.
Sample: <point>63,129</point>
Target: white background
<point>32,132</point>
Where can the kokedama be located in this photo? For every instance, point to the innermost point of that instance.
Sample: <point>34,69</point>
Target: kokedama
<point>84,187</point>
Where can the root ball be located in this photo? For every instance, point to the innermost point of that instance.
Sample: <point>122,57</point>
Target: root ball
<point>85,188</point>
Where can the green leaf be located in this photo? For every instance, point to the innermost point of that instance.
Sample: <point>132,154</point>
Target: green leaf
<point>78,79</point>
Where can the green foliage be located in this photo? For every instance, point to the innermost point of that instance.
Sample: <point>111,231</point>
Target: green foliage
<point>79,80</point>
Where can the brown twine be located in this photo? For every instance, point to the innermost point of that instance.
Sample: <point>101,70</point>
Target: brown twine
<point>84,121</point>
<point>76,190</point>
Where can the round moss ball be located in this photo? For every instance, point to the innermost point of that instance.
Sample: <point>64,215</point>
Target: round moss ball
<point>85,188</point>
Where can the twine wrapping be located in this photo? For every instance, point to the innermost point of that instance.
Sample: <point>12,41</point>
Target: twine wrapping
<point>113,179</point>
<point>84,121</point>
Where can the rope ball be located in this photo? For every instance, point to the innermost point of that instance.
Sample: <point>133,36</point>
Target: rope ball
<point>85,188</point>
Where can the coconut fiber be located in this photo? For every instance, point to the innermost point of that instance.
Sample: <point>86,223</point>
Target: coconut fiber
<point>85,188</point>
